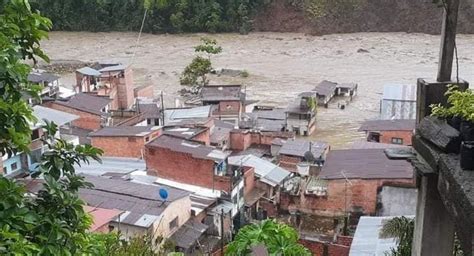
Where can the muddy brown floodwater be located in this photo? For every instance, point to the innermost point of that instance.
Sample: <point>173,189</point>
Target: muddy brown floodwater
<point>281,65</point>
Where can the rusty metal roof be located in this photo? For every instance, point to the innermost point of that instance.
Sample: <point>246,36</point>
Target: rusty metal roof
<point>388,125</point>
<point>364,164</point>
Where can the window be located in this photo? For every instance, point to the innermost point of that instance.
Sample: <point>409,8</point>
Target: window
<point>174,223</point>
<point>147,139</point>
<point>35,134</point>
<point>397,141</point>
<point>4,169</point>
<point>14,166</point>
<point>148,121</point>
<point>131,139</point>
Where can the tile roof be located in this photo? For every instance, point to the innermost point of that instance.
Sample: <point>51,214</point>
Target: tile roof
<point>221,92</point>
<point>197,150</point>
<point>87,103</point>
<point>124,131</point>
<point>299,147</point>
<point>141,203</point>
<point>101,216</point>
<point>388,125</point>
<point>362,144</point>
<point>364,164</point>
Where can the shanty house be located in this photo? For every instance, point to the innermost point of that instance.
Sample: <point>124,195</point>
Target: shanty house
<point>301,116</point>
<point>398,102</point>
<point>144,211</point>
<point>48,81</point>
<point>124,141</point>
<point>229,100</point>
<point>325,91</point>
<point>92,110</point>
<point>389,131</point>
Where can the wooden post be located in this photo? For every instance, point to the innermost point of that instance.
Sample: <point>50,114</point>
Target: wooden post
<point>448,40</point>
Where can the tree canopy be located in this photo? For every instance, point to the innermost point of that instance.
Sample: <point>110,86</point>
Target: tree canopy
<point>278,238</point>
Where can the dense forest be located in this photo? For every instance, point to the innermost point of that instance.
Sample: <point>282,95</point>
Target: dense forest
<point>163,16</point>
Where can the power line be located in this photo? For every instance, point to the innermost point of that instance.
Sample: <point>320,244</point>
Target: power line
<point>139,36</point>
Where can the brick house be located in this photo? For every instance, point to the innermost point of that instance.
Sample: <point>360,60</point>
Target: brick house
<point>124,141</point>
<point>49,84</point>
<point>193,163</point>
<point>292,152</point>
<point>114,81</point>
<point>241,140</point>
<point>229,99</point>
<point>92,110</point>
<point>389,131</point>
<point>350,181</point>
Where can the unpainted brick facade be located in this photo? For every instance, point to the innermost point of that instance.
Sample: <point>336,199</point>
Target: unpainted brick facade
<point>132,146</point>
<point>204,137</point>
<point>362,193</point>
<point>145,91</point>
<point>319,248</point>
<point>386,136</point>
<point>86,120</point>
<point>243,139</point>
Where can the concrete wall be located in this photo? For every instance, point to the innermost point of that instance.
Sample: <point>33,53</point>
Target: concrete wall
<point>7,164</point>
<point>180,208</point>
<point>397,201</point>
<point>361,194</point>
<point>86,120</point>
<point>386,136</point>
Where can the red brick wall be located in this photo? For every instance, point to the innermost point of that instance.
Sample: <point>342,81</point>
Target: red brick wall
<point>204,137</point>
<point>122,146</point>
<point>144,91</point>
<point>239,140</point>
<point>183,168</point>
<point>386,136</point>
<point>272,210</point>
<point>344,240</point>
<point>362,193</point>
<point>289,162</point>
<point>317,248</point>
<point>86,120</point>
<point>242,139</point>
<point>249,179</point>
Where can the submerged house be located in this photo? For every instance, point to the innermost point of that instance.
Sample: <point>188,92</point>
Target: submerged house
<point>292,152</point>
<point>325,91</point>
<point>301,116</point>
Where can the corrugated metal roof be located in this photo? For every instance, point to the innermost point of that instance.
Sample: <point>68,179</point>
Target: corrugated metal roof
<point>88,71</point>
<point>367,240</point>
<point>184,132</point>
<point>364,164</point>
<point>299,147</point>
<point>388,125</point>
<point>40,77</point>
<point>265,170</point>
<point>58,117</point>
<point>174,115</point>
<point>119,67</point>
<point>402,92</point>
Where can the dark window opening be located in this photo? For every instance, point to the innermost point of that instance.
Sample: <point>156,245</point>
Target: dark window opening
<point>14,166</point>
<point>174,223</point>
<point>35,134</point>
<point>398,141</point>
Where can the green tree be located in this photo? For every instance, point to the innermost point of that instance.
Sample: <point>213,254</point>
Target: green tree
<point>195,74</point>
<point>278,238</point>
<point>400,228</point>
<point>53,222</point>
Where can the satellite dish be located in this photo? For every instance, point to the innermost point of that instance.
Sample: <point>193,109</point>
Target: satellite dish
<point>163,193</point>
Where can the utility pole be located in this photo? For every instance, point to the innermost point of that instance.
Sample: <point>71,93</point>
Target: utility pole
<point>448,40</point>
<point>162,108</point>
<point>222,232</point>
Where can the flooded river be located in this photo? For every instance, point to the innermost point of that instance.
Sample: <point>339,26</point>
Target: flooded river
<point>280,65</point>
